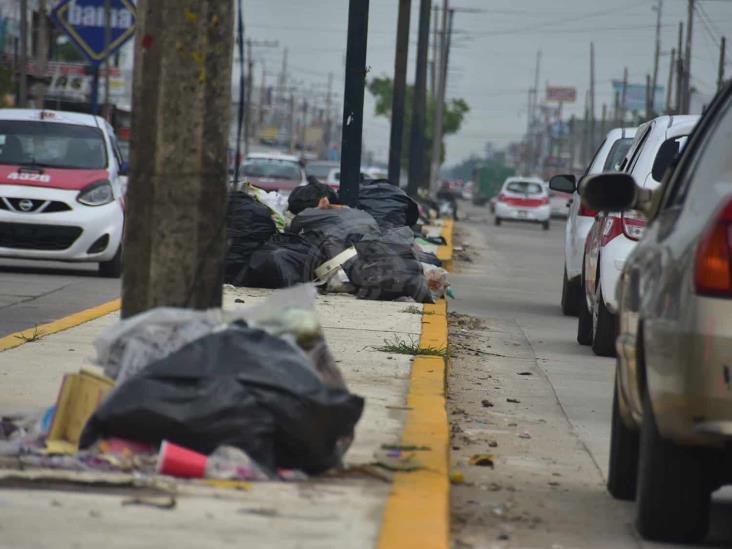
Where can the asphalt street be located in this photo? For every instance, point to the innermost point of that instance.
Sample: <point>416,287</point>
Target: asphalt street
<point>33,292</point>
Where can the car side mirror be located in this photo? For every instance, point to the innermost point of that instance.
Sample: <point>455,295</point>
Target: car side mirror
<point>124,168</point>
<point>610,192</point>
<point>563,183</point>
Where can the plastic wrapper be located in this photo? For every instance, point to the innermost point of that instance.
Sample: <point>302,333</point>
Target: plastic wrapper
<point>240,387</point>
<point>274,200</point>
<point>248,224</point>
<point>308,196</point>
<point>283,261</point>
<point>388,204</point>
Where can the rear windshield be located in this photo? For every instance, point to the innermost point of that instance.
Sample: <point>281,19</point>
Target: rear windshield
<point>274,169</point>
<point>321,171</point>
<point>524,187</point>
<point>50,144</point>
<point>617,153</point>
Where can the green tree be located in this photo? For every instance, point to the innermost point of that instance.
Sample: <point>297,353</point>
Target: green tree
<point>382,88</point>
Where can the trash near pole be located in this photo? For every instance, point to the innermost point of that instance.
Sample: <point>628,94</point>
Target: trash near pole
<point>176,200</point>
<point>358,22</point>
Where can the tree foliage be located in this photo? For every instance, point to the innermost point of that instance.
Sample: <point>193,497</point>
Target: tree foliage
<point>382,88</point>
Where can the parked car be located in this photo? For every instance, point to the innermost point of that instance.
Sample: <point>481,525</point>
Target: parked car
<point>274,172</point>
<point>614,235</point>
<point>334,178</point>
<point>608,157</point>
<point>60,188</point>
<point>671,444</point>
<point>320,169</point>
<point>559,203</point>
<point>523,199</point>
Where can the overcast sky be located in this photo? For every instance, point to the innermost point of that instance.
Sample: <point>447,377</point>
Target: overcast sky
<point>494,53</point>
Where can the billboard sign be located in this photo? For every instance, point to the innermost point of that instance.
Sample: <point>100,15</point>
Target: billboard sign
<point>635,96</point>
<point>562,94</point>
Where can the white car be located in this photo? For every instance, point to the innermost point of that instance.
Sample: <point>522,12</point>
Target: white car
<point>523,199</point>
<point>608,157</point>
<point>60,188</point>
<point>614,235</point>
<point>274,171</point>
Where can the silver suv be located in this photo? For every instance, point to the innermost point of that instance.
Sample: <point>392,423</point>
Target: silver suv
<point>671,441</point>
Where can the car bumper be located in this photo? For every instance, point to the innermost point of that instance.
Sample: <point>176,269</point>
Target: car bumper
<point>63,236</point>
<point>536,215</point>
<point>612,261</point>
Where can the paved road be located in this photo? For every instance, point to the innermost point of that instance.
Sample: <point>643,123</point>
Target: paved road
<point>516,278</point>
<point>33,293</point>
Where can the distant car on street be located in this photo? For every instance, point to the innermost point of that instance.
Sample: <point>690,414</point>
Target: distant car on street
<point>580,219</point>
<point>321,169</point>
<point>274,172</point>
<point>524,199</point>
<point>61,195</point>
<point>671,444</point>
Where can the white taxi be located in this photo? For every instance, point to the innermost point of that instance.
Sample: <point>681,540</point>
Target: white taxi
<point>60,188</point>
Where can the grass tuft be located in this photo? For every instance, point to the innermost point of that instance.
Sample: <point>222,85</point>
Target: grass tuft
<point>36,335</point>
<point>410,347</point>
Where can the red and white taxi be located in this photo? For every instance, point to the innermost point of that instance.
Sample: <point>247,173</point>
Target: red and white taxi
<point>523,199</point>
<point>60,192</point>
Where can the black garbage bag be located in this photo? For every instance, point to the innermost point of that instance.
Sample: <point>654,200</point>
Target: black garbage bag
<point>387,203</point>
<point>333,230</point>
<point>427,257</point>
<point>283,261</point>
<point>248,224</point>
<point>308,196</point>
<point>386,268</point>
<point>239,387</point>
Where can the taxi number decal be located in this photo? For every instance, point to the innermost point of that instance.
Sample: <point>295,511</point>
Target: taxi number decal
<point>30,177</point>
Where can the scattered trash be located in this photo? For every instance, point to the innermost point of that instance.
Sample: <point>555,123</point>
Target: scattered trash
<point>486,403</point>
<point>405,447</point>
<point>483,460</point>
<point>249,224</point>
<point>525,373</point>
<point>513,400</point>
<point>457,477</point>
<point>396,460</point>
<point>524,434</point>
<point>163,502</point>
<point>282,261</point>
<point>493,444</point>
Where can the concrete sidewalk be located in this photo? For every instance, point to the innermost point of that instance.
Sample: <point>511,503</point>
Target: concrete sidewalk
<point>404,402</point>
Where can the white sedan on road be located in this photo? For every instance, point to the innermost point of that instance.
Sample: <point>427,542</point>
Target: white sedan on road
<point>60,188</point>
<point>523,199</point>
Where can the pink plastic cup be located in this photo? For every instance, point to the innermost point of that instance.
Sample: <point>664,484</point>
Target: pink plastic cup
<point>177,461</point>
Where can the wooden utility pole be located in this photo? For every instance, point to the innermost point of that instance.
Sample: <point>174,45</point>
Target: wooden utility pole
<point>23,72</point>
<point>649,109</point>
<point>176,200</point>
<point>687,58</point>
<point>400,91</point>
<point>656,56</point>
<point>358,25</point>
<point>592,98</point>
<point>417,138</point>
<point>670,84</point>
<point>722,61</point>
<point>680,72</point>
<point>291,146</point>
<point>603,122</point>
<point>447,15</point>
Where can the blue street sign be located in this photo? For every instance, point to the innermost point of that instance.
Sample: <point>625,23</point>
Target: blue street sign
<point>84,22</point>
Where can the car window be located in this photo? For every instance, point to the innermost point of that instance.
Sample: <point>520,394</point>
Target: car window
<point>709,176</point>
<point>53,145</point>
<point>629,163</point>
<point>594,158</point>
<point>274,169</point>
<point>618,151</point>
<point>524,187</point>
<point>320,171</point>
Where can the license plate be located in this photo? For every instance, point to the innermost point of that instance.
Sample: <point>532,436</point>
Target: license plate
<point>522,213</point>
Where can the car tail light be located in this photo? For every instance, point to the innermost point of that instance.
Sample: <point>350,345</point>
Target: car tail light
<point>587,212</point>
<point>713,266</point>
<point>501,197</point>
<point>545,200</point>
<point>634,225</point>
<point>612,226</point>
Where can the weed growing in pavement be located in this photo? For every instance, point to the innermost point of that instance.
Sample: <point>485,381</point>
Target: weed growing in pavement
<point>414,310</point>
<point>411,347</point>
<point>37,334</point>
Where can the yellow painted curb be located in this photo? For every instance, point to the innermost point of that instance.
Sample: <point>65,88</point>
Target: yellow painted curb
<point>417,513</point>
<point>444,253</point>
<point>19,338</point>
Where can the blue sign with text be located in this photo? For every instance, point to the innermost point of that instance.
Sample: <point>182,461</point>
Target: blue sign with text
<point>85,23</point>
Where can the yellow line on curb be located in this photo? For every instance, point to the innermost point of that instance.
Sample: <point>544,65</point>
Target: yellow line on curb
<point>417,513</point>
<point>31,334</point>
<point>444,253</point>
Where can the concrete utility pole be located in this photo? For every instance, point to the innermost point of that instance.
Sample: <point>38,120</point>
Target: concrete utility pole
<point>722,61</point>
<point>249,96</point>
<point>107,61</point>
<point>23,73</point>
<point>656,56</point>
<point>649,101</point>
<point>592,98</point>
<point>680,72</point>
<point>417,140</point>
<point>670,84</point>
<point>624,96</point>
<point>447,16</point>
<point>291,146</point>
<point>358,27</point>
<point>687,58</point>
<point>434,64</point>
<point>42,57</point>
<point>176,201</point>
<point>616,109</point>
<point>603,122</point>
<point>400,90</point>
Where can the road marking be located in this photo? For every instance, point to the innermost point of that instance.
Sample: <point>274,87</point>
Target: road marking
<point>32,334</point>
<point>417,513</point>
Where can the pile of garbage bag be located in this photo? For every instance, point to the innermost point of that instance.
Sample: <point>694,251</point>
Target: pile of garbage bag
<point>375,251</point>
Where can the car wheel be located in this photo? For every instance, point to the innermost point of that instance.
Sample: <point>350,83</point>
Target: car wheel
<point>584,321</point>
<point>674,491</point>
<point>570,296</point>
<point>497,221</point>
<point>622,476</point>
<point>113,267</point>
<point>545,225</point>
<point>604,327</point>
